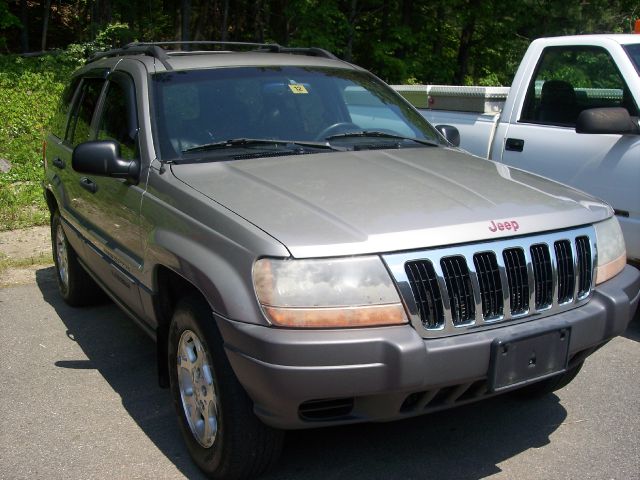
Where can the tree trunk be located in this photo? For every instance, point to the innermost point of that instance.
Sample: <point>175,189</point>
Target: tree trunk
<point>466,40</point>
<point>24,31</point>
<point>353,13</point>
<point>225,19</point>
<point>45,25</point>
<point>185,8</point>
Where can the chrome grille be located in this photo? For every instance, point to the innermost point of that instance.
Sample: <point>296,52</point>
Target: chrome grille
<point>450,290</point>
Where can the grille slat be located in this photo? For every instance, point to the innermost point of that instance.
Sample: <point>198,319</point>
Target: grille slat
<point>566,275</point>
<point>458,282</point>
<point>453,289</point>
<point>585,269</point>
<point>543,275</point>
<point>424,285</point>
<point>490,284</point>
<point>516,267</point>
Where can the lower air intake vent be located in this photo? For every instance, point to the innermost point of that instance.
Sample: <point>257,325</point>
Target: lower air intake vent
<point>325,409</point>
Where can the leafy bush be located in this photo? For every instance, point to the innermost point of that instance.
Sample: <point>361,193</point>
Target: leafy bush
<point>29,91</point>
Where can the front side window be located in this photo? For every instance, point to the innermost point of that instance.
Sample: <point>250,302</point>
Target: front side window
<point>117,121</point>
<point>329,106</point>
<point>80,126</point>
<point>569,80</point>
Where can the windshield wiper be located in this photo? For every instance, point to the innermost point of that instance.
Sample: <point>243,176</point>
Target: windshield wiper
<point>250,142</point>
<point>376,133</point>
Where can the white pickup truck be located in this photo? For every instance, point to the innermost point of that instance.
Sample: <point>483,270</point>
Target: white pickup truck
<point>571,114</point>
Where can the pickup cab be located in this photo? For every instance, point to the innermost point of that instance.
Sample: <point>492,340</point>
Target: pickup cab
<point>571,114</point>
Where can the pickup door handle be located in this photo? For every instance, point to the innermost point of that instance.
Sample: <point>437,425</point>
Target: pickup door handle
<point>514,144</point>
<point>88,185</point>
<point>58,162</point>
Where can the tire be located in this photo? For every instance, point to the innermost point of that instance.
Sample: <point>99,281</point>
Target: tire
<point>75,285</point>
<point>236,443</point>
<point>549,385</point>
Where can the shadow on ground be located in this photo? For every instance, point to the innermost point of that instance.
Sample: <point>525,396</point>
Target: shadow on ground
<point>468,442</point>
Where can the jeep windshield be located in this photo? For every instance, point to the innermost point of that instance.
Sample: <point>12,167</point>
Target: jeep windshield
<point>248,112</point>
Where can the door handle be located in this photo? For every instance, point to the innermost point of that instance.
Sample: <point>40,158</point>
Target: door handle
<point>514,144</point>
<point>88,185</point>
<point>58,162</point>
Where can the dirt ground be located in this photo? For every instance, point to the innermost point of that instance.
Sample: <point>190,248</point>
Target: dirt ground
<point>22,252</point>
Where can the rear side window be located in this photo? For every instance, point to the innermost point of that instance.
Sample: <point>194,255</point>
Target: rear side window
<point>80,125</point>
<point>60,117</point>
<point>118,121</point>
<point>569,80</point>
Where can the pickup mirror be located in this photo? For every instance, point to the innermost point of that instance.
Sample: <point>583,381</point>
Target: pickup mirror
<point>102,157</point>
<point>615,121</point>
<point>451,133</point>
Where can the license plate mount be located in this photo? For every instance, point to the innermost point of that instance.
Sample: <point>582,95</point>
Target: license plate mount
<point>516,361</point>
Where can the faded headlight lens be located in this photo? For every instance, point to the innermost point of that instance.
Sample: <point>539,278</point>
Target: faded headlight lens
<point>612,254</point>
<point>327,293</point>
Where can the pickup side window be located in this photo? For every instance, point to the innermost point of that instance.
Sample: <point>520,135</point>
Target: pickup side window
<point>80,125</point>
<point>118,121</point>
<point>568,80</point>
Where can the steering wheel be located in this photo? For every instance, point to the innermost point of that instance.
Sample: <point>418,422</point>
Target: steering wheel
<point>336,128</point>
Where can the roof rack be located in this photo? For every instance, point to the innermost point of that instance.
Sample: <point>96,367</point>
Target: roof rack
<point>154,49</point>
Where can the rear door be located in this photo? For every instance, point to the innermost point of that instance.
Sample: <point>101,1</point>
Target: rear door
<point>542,137</point>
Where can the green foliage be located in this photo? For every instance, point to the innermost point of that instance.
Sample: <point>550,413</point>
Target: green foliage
<point>29,91</point>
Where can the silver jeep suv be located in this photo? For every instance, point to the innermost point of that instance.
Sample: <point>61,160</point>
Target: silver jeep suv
<point>307,250</point>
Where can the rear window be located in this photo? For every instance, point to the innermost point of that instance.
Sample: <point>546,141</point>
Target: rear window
<point>634,54</point>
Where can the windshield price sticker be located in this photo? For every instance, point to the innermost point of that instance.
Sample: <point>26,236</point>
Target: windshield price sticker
<point>297,88</point>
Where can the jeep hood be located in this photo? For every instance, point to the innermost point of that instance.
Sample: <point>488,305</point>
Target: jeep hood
<point>377,201</point>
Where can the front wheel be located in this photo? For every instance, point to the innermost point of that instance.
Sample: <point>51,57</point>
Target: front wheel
<point>75,285</point>
<point>223,435</point>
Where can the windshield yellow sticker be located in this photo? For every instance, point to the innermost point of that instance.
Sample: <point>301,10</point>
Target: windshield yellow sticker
<point>297,88</point>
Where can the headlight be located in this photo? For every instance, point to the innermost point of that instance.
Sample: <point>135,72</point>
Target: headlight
<point>327,293</point>
<point>612,254</point>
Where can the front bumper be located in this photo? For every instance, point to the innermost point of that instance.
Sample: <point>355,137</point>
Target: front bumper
<point>310,378</point>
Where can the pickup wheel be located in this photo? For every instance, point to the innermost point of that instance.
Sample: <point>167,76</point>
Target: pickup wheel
<point>75,285</point>
<point>549,385</point>
<point>223,435</point>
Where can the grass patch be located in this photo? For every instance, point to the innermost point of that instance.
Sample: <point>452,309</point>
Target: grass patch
<point>38,260</point>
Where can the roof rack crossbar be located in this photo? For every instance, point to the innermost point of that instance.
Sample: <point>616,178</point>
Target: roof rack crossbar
<point>133,48</point>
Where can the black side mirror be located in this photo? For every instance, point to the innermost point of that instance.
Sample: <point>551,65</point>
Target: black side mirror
<point>451,133</point>
<point>613,120</point>
<point>102,157</point>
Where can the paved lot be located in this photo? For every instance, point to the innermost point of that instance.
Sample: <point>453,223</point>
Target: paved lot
<point>79,400</point>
